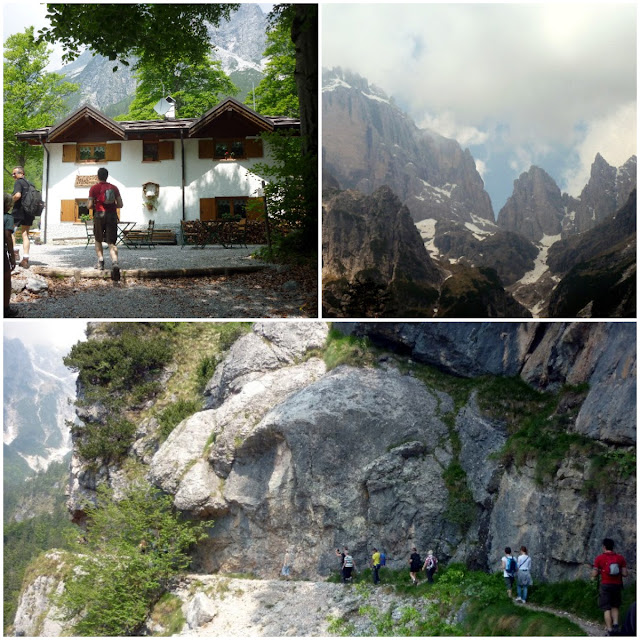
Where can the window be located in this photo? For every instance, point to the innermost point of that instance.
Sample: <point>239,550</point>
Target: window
<point>149,152</point>
<point>231,208</point>
<point>229,150</point>
<point>91,152</point>
<point>156,151</point>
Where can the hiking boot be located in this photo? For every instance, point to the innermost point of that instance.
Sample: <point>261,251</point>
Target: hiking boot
<point>115,272</point>
<point>24,263</point>
<point>99,265</point>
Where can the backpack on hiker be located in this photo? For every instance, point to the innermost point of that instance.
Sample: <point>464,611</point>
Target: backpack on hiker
<point>383,559</point>
<point>348,561</point>
<point>32,203</point>
<point>512,566</point>
<point>432,563</point>
<point>109,196</point>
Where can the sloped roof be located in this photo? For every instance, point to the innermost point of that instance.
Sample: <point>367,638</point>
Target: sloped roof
<point>79,118</point>
<point>226,106</point>
<point>136,129</point>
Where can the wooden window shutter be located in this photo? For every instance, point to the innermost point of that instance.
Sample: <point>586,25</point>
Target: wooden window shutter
<point>165,150</point>
<point>255,208</point>
<point>253,148</point>
<point>68,153</point>
<point>113,152</point>
<point>207,209</point>
<point>205,149</point>
<point>67,210</point>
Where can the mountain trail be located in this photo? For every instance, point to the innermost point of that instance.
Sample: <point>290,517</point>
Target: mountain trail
<point>590,628</point>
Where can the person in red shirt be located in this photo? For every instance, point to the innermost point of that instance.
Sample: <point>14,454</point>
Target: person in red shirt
<point>611,567</point>
<point>105,200</point>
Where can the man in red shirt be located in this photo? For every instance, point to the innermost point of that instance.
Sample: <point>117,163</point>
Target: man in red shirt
<point>105,200</point>
<point>611,567</point>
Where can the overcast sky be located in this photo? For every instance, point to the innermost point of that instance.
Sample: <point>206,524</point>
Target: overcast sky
<point>63,333</point>
<point>518,84</point>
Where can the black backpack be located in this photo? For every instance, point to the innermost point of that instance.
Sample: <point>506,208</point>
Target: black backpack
<point>32,203</point>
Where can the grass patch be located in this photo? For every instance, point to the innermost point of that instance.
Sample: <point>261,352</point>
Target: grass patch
<point>168,614</point>
<point>580,597</point>
<point>342,349</point>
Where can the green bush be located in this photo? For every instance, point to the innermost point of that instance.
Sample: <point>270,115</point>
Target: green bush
<point>115,585</point>
<point>108,442</point>
<point>174,414</point>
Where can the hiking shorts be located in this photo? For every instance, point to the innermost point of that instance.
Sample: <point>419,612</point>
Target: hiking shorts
<point>610,596</point>
<point>508,581</point>
<point>105,226</point>
<point>22,218</point>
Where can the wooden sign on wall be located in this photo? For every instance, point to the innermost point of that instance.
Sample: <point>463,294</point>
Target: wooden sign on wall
<point>86,181</point>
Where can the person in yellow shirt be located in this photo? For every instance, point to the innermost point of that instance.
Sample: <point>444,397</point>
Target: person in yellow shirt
<point>375,564</point>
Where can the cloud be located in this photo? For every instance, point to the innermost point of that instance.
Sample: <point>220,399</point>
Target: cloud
<point>539,68</point>
<point>613,136</point>
<point>446,125</point>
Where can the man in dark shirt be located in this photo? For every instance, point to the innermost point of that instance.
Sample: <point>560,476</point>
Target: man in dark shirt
<point>105,207</point>
<point>21,218</point>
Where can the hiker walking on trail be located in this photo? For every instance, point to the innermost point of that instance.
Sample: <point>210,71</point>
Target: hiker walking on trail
<point>430,565</point>
<point>523,579</point>
<point>375,565</point>
<point>348,566</point>
<point>610,567</point>
<point>415,564</point>
<point>509,570</point>
<point>22,218</point>
<point>105,200</point>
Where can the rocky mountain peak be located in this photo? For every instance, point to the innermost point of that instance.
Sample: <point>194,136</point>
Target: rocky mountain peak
<point>535,209</point>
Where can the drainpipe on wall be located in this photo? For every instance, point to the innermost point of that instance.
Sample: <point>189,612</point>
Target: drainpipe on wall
<point>183,170</point>
<point>43,229</point>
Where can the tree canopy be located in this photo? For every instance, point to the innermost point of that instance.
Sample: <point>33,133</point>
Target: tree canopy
<point>32,98</point>
<point>195,88</point>
<point>277,93</point>
<point>156,34</point>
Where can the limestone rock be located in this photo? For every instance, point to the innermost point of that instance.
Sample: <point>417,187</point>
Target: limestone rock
<point>200,610</point>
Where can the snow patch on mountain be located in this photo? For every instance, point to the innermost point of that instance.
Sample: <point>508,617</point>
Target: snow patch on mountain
<point>540,265</point>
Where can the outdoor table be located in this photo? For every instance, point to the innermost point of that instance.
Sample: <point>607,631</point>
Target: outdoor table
<point>123,227</point>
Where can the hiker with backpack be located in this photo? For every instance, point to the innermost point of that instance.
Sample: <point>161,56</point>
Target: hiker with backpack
<point>509,569</point>
<point>523,579</point>
<point>430,565</point>
<point>415,564</point>
<point>610,567</point>
<point>9,256</point>
<point>105,200</point>
<point>27,204</point>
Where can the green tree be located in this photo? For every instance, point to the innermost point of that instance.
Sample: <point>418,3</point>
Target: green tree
<point>32,98</point>
<point>132,549</point>
<point>294,223</point>
<point>196,88</point>
<point>156,34</point>
<point>277,94</point>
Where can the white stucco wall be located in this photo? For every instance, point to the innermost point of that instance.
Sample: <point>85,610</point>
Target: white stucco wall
<point>205,178</point>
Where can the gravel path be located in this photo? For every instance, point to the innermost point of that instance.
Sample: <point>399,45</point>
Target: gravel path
<point>274,291</point>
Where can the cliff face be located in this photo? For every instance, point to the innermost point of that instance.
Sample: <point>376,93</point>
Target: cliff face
<point>416,450</point>
<point>371,240</point>
<point>368,142</point>
<point>290,454</point>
